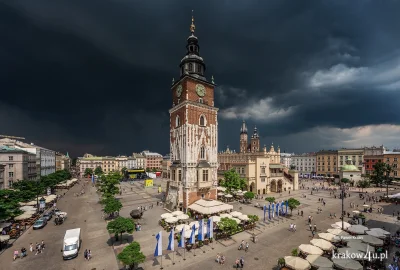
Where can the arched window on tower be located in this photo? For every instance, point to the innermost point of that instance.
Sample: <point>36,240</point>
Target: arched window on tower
<point>190,67</point>
<point>202,153</point>
<point>177,121</point>
<point>202,121</point>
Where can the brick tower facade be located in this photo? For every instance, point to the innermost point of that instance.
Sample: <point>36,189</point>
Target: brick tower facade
<point>193,132</point>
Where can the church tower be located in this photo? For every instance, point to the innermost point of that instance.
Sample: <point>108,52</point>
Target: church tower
<point>193,132</point>
<point>255,141</point>
<point>243,138</point>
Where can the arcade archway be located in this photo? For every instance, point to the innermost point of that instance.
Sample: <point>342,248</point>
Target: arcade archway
<point>280,189</point>
<point>273,186</point>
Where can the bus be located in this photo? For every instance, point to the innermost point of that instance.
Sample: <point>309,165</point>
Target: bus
<point>135,174</point>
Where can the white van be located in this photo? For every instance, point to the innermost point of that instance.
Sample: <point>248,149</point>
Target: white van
<point>71,244</point>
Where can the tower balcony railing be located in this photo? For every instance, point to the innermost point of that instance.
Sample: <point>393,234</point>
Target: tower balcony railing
<point>276,174</point>
<point>204,184</point>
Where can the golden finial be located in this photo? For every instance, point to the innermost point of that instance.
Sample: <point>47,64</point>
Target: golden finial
<point>192,26</point>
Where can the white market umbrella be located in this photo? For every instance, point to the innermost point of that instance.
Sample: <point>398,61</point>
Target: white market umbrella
<point>236,214</point>
<point>338,232</point>
<point>322,244</point>
<point>28,208</point>
<point>357,229</point>
<point>297,263</point>
<point>221,194</point>
<point>394,195</point>
<point>376,234</point>
<point>319,261</point>
<point>366,205</point>
<point>382,231</point>
<point>4,238</point>
<point>182,217</point>
<point>216,218</point>
<point>182,226</point>
<point>310,249</point>
<point>361,246</point>
<point>338,225</point>
<point>195,223</point>
<point>177,213</point>
<point>368,239</point>
<point>243,217</point>
<point>24,216</point>
<point>329,237</point>
<point>225,216</point>
<point>228,196</point>
<point>354,253</point>
<point>166,215</point>
<point>237,220</point>
<point>221,188</point>
<point>171,220</point>
<point>347,264</point>
<point>356,212</point>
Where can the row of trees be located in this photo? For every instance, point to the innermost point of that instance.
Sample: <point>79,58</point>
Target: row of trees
<point>27,190</point>
<point>131,255</point>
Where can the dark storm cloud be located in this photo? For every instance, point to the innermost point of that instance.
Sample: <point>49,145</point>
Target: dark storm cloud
<point>95,75</point>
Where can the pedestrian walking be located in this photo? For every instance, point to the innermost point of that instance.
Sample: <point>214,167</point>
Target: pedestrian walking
<point>42,245</point>
<point>247,247</point>
<point>312,234</point>
<point>89,255</point>
<point>85,254</point>
<point>310,227</point>
<point>315,227</point>
<point>241,262</point>
<point>31,247</point>
<point>237,262</point>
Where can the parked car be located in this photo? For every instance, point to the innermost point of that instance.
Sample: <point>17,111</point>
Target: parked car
<point>48,216</point>
<point>40,223</point>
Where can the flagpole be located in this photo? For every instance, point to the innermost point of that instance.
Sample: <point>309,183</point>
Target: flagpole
<point>161,263</point>
<point>184,254</point>
<point>173,258</point>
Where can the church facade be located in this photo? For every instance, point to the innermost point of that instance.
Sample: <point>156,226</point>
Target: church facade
<point>261,167</point>
<point>193,132</point>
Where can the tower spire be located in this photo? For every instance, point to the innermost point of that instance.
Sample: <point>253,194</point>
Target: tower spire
<point>192,26</point>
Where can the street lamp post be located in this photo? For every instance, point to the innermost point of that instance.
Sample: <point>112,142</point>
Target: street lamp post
<point>342,206</point>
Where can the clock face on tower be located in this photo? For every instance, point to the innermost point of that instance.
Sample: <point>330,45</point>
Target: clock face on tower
<point>179,91</point>
<point>200,90</point>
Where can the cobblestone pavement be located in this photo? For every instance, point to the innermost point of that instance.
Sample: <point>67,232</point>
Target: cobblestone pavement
<point>83,212</point>
<point>274,239</point>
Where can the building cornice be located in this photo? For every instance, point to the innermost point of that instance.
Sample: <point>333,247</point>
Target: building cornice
<point>192,103</point>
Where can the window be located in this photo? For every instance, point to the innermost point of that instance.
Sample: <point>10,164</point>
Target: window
<point>205,175</point>
<point>242,170</point>
<point>262,179</point>
<point>190,67</point>
<point>263,170</point>
<point>199,67</point>
<point>201,100</point>
<point>10,166</point>
<point>387,159</point>
<point>10,158</point>
<point>10,174</point>
<point>395,159</point>
<point>202,121</point>
<point>177,121</point>
<point>179,175</point>
<point>395,165</point>
<point>395,173</point>
<point>202,153</point>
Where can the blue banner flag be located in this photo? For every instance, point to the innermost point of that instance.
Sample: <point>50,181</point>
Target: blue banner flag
<point>171,239</point>
<point>192,239</point>
<point>277,209</point>
<point>210,228</point>
<point>265,211</point>
<point>181,243</point>
<point>92,178</point>
<point>158,251</point>
<point>273,210</point>
<point>200,235</point>
<point>269,211</point>
<point>282,212</point>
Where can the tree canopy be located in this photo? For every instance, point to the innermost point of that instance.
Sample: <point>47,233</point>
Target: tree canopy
<point>233,181</point>
<point>378,174</point>
<point>249,195</point>
<point>270,199</point>
<point>111,205</point>
<point>121,225</point>
<point>131,255</point>
<point>345,180</point>
<point>293,204</point>
<point>98,170</point>
<point>227,225</point>
<point>365,183</point>
<point>108,184</point>
<point>88,172</point>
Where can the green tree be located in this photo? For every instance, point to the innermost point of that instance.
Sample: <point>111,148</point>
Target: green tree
<point>295,252</point>
<point>388,179</point>
<point>123,170</point>
<point>293,204</point>
<point>148,169</point>
<point>154,170</point>
<point>253,218</point>
<point>249,195</point>
<point>98,171</point>
<point>111,205</point>
<point>365,183</point>
<point>292,167</point>
<point>233,181</point>
<point>108,184</point>
<point>87,172</point>
<point>345,180</point>
<point>227,225</point>
<point>131,255</point>
<point>378,174</point>
<point>120,225</point>
<point>270,199</point>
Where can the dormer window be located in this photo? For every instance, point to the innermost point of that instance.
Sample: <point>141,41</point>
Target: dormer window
<point>177,121</point>
<point>201,100</point>
<point>190,67</point>
<point>202,121</point>
<point>202,153</point>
